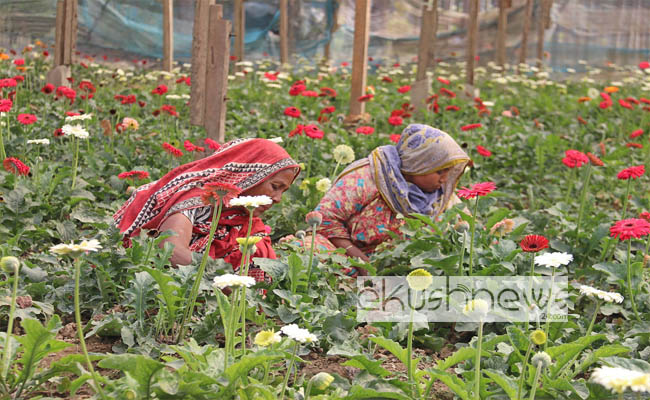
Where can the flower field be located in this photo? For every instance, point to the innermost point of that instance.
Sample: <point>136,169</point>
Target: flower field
<point>557,188</point>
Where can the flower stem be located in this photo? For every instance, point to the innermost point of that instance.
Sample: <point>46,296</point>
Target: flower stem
<point>548,309</point>
<point>477,367</point>
<point>538,373</point>
<point>583,196</point>
<point>75,162</point>
<point>462,256</point>
<point>10,325</point>
<point>80,330</point>
<point>189,309</point>
<point>311,254</point>
<point>336,168</point>
<point>409,351</point>
<point>286,377</point>
<point>629,278</point>
<point>471,240</point>
<point>567,366</point>
<point>522,377</point>
<point>3,155</point>
<point>570,188</point>
<point>626,199</point>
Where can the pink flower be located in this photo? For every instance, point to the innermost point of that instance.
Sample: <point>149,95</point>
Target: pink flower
<point>478,189</point>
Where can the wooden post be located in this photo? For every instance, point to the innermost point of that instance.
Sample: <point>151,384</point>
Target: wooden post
<point>199,60</point>
<point>335,26</point>
<point>472,34</point>
<point>359,56</point>
<point>426,48</point>
<point>501,31</point>
<point>58,33</point>
<point>216,74</point>
<point>64,42</point>
<point>239,23</point>
<point>544,23</point>
<point>284,32</point>
<point>168,34</point>
<point>526,29</point>
<point>69,34</point>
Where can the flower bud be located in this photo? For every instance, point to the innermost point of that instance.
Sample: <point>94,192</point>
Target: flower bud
<point>538,337</point>
<point>322,380</point>
<point>300,234</point>
<point>314,218</point>
<point>541,360</point>
<point>10,264</point>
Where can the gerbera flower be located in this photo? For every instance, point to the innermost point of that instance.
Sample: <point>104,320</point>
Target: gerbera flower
<point>326,91</point>
<point>645,215</point>
<point>483,151</point>
<point>554,259</point>
<point>630,228</point>
<point>395,120</point>
<point>470,126</point>
<point>631,172</point>
<point>47,89</point>
<point>443,80</point>
<point>634,145</point>
<point>160,90</point>
<point>309,93</point>
<point>636,133</point>
<point>15,166</point>
<point>343,154</point>
<point>533,243</point>
<point>365,97</point>
<point>452,108</point>
<point>298,130</point>
<point>365,130</point>
<point>5,105</point>
<point>419,279</point>
<point>213,191</point>
<point>328,110</point>
<point>395,137</point>
<point>447,92</point>
<point>478,189</point>
<point>232,280</point>
<point>625,104</point>
<point>404,89</point>
<point>595,160</point>
<point>296,89</point>
<point>251,202</point>
<point>574,158</point>
<point>8,82</point>
<point>133,174</point>
<point>27,119</point>
<point>267,338</point>
<point>610,297</point>
<point>582,120</point>
<point>212,144</point>
<point>298,334</point>
<point>172,150</point>
<point>293,112</point>
<point>313,132</point>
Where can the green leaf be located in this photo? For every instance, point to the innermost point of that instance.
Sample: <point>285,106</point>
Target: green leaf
<point>275,268</point>
<point>496,216</point>
<point>372,366</point>
<point>464,353</point>
<point>506,383</point>
<point>295,266</point>
<point>140,287</point>
<point>241,368</point>
<point>633,364</point>
<point>393,347</point>
<point>359,392</point>
<point>604,351</point>
<point>139,367</point>
<point>563,353</point>
<point>452,381</point>
<point>169,291</point>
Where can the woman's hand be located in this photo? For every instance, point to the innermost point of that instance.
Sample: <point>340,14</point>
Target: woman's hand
<point>182,226</point>
<point>351,250</point>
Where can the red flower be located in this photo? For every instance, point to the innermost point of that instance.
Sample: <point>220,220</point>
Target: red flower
<point>172,150</point>
<point>435,107</point>
<point>215,191</point>
<point>19,78</point>
<point>87,87</point>
<point>169,109</point>
<point>595,160</point>
<point>328,110</point>
<point>483,151</point>
<point>404,89</point>
<point>582,120</point>
<point>133,174</point>
<point>644,65</point>
<point>5,105</point>
<point>189,146</point>
<point>296,89</point>
<point>345,64</point>
<point>309,93</point>
<point>632,100</point>
<point>631,172</point>
<point>15,166</point>
<point>625,104</point>
<point>470,127</point>
<point>313,132</point>
<point>19,61</point>
<point>645,215</point>
<point>58,132</point>
<point>395,120</point>
<point>365,130</point>
<point>635,145</point>
<point>395,137</point>
<point>636,133</point>
<point>365,97</point>
<point>478,189</point>
<point>212,144</point>
<point>533,243</point>
<point>271,76</point>
<point>452,108</point>
<point>397,113</point>
<point>8,82</point>
<point>298,130</point>
<point>27,119</point>
<point>574,158</point>
<point>47,89</point>
<point>292,112</point>
<point>630,228</point>
<point>160,90</point>
<point>387,79</point>
<point>326,91</point>
<point>443,80</point>
<point>644,100</point>
<point>64,91</point>
<point>447,92</point>
<point>605,104</point>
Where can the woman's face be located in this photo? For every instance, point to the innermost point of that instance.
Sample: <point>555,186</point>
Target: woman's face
<point>273,187</point>
<point>429,183</point>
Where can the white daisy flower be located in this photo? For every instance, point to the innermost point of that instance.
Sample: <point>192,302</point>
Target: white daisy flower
<point>323,185</point>
<point>232,280</point>
<point>476,309</point>
<point>251,201</point>
<point>343,154</point>
<point>84,246</point>
<point>610,297</point>
<point>553,259</point>
<point>619,379</point>
<point>77,131</point>
<point>298,334</point>
<point>38,141</point>
<point>81,117</point>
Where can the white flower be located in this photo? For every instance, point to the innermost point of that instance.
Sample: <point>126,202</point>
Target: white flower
<point>244,63</point>
<point>298,334</point>
<point>84,246</point>
<point>75,130</point>
<point>553,259</point>
<point>38,141</point>
<point>610,297</point>
<point>541,358</point>
<point>476,309</point>
<point>276,140</point>
<point>232,280</point>
<point>619,379</point>
<point>251,201</point>
<point>593,93</point>
<point>343,154</point>
<point>81,117</point>
<point>173,97</point>
<point>323,185</point>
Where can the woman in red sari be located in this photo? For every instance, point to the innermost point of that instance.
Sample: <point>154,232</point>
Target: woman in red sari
<point>256,166</point>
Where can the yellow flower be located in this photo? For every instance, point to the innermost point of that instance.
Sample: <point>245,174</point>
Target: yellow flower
<point>538,337</point>
<point>323,185</point>
<point>419,279</point>
<point>248,241</point>
<point>267,338</point>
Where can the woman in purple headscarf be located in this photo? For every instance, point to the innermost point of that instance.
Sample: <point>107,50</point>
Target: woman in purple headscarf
<point>417,175</point>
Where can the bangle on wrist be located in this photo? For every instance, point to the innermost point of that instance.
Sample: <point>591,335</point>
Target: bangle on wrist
<point>349,247</point>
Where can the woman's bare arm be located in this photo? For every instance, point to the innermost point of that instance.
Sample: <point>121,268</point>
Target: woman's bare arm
<point>351,250</point>
<point>182,226</point>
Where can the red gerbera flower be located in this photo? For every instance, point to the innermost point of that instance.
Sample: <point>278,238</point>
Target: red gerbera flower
<point>47,89</point>
<point>630,228</point>
<point>365,130</point>
<point>15,166</point>
<point>395,137</point>
<point>298,130</point>
<point>27,119</point>
<point>395,120</point>
<point>625,104</point>
<point>212,144</point>
<point>478,189</point>
<point>452,108</point>
<point>533,243</point>
<point>5,105</point>
<point>313,132</point>
<point>172,150</point>
<point>133,174</point>
<point>470,127</point>
<point>574,158</point>
<point>169,109</point>
<point>189,146</point>
<point>215,191</point>
<point>365,97</point>
<point>404,89</point>
<point>327,91</point>
<point>447,92</point>
<point>582,120</point>
<point>635,145</point>
<point>309,93</point>
<point>293,112</point>
<point>160,90</point>
<point>443,80</point>
<point>645,215</point>
<point>8,82</point>
<point>636,133</point>
<point>483,151</point>
<point>19,61</point>
<point>387,79</point>
<point>297,88</point>
<point>328,110</point>
<point>595,160</point>
<point>644,64</point>
<point>631,172</point>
